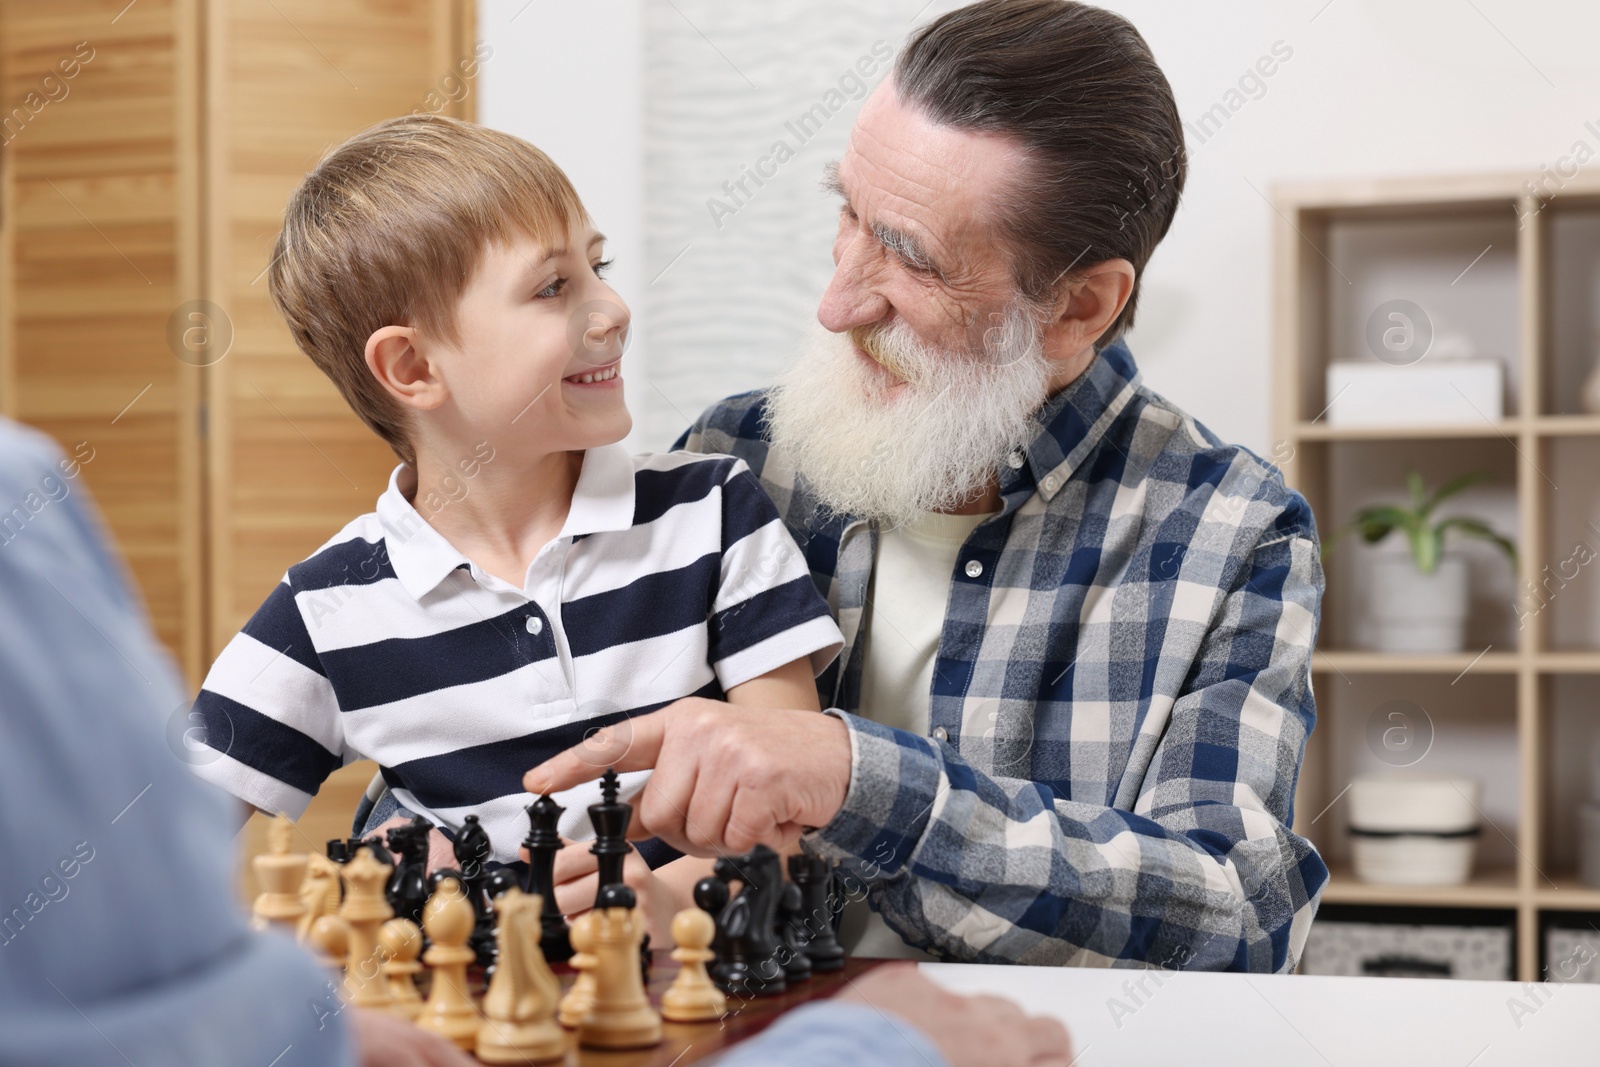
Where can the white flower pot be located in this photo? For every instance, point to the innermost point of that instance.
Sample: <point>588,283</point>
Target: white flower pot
<point>1409,611</point>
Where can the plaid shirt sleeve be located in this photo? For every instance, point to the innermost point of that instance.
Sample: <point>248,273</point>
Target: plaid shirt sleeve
<point>1203,874</point>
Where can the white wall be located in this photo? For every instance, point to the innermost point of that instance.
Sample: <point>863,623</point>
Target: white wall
<point>567,77</point>
<point>1374,87</point>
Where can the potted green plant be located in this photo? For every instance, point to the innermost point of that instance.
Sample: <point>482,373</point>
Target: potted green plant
<point>1418,601</point>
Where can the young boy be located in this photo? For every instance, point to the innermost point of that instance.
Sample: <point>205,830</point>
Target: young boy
<point>523,580</point>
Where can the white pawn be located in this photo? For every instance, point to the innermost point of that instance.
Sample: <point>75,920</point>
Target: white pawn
<point>399,945</point>
<point>448,917</point>
<point>580,998</point>
<point>693,998</point>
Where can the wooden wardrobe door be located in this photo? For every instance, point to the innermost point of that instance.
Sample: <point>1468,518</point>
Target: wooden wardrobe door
<point>98,248</point>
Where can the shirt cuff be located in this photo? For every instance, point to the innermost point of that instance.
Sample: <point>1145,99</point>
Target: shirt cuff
<point>896,777</point>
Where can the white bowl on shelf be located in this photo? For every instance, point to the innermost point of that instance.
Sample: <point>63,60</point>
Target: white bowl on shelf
<point>1413,830</point>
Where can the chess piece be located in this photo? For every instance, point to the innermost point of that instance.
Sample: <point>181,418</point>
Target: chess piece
<point>448,919</point>
<point>543,842</point>
<point>365,911</point>
<point>610,820</point>
<point>399,945</point>
<point>519,1010</point>
<point>711,896</point>
<point>473,851</point>
<point>329,938</point>
<point>576,1004</point>
<point>319,892</point>
<point>791,947</point>
<point>374,846</point>
<point>620,1016</point>
<point>407,890</point>
<point>497,881</point>
<point>814,876</point>
<point>749,967</point>
<point>280,874</point>
<point>692,997</point>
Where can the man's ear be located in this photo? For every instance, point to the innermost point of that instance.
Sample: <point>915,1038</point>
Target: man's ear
<point>1087,306</point>
<point>403,369</point>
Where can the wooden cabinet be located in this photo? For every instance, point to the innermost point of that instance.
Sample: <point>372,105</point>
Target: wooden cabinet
<point>149,148</point>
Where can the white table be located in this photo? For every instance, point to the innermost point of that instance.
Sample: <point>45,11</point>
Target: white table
<point>1258,1019</point>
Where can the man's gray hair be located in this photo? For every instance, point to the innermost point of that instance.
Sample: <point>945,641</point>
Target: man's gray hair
<point>1078,88</point>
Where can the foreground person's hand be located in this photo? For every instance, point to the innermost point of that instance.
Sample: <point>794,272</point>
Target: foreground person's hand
<point>976,1031</point>
<point>726,778</point>
<point>384,1040</point>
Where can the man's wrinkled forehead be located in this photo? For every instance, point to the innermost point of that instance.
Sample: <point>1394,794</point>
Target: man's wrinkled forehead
<point>935,185</point>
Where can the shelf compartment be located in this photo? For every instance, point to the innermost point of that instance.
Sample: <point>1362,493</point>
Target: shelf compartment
<point>1349,661</point>
<point>1494,887</point>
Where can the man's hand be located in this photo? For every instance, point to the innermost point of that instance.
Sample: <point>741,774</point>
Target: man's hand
<point>726,778</point>
<point>969,1031</point>
<point>384,1040</point>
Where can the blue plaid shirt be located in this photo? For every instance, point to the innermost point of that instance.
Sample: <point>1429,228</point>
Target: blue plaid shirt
<point>1119,706</point>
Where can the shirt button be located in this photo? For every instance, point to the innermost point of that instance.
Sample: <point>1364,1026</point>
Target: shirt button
<point>941,734</point>
<point>535,624</point>
<point>974,569</point>
<point>1016,459</point>
<point>1050,483</point>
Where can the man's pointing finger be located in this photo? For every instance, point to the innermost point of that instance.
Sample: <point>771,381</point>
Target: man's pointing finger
<point>630,745</point>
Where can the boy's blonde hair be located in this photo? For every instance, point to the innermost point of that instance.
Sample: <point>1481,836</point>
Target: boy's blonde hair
<point>388,230</point>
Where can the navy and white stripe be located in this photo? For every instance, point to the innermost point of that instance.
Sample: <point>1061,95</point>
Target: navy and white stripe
<point>673,577</point>
<point>1120,703</point>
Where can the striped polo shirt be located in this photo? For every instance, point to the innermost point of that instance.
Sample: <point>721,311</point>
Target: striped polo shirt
<point>672,577</point>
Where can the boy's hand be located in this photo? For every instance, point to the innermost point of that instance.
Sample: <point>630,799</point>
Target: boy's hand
<point>577,880</point>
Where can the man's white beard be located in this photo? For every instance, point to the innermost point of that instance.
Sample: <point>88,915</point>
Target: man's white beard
<point>936,444</point>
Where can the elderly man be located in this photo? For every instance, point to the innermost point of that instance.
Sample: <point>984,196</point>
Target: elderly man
<point>1069,716</point>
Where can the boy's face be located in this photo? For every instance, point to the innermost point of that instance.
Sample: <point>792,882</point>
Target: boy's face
<point>542,336</point>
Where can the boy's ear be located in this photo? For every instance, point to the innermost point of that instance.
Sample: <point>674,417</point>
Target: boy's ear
<point>401,367</point>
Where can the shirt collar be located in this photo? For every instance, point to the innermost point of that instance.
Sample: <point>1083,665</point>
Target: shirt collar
<point>421,556</point>
<point>1073,422</point>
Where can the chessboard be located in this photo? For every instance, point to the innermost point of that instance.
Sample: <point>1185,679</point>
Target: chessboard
<point>482,957</point>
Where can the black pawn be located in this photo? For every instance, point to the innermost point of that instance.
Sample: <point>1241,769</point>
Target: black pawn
<point>610,820</point>
<point>711,896</point>
<point>791,910</point>
<point>814,876</point>
<point>543,842</point>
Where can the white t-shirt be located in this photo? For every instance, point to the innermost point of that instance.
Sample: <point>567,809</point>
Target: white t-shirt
<point>904,617</point>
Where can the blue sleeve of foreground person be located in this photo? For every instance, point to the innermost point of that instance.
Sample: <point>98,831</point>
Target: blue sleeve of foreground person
<point>121,936</point>
<point>829,1032</point>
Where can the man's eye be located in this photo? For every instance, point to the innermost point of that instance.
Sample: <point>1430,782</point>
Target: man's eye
<point>552,290</point>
